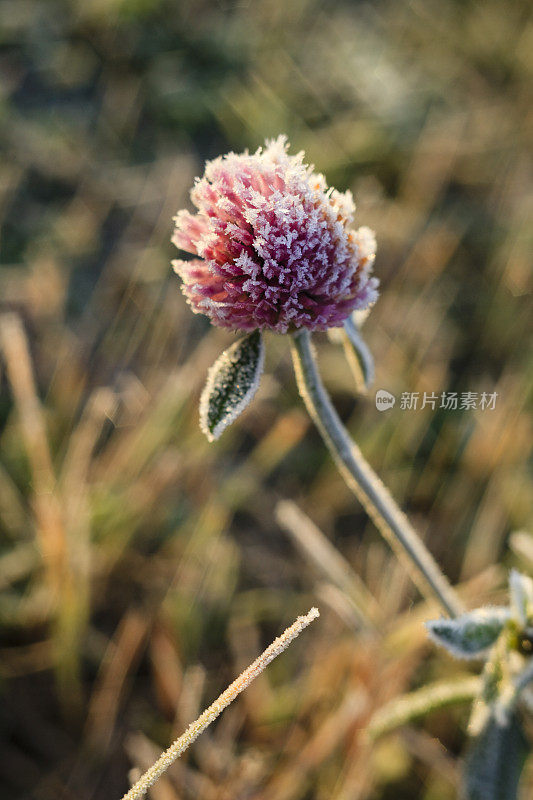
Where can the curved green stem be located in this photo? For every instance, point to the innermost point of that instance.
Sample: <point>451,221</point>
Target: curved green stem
<point>360,477</point>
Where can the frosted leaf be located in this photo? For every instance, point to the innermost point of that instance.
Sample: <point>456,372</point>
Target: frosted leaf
<point>231,384</point>
<point>359,350</point>
<point>471,634</point>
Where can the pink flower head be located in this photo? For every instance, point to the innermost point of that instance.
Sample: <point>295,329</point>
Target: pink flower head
<point>274,245</point>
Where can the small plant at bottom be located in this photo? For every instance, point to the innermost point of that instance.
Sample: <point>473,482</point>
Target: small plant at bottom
<point>502,637</point>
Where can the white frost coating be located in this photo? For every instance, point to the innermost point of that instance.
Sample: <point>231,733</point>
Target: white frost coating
<point>366,242</point>
<point>472,634</point>
<point>232,411</point>
<point>521,588</point>
<point>140,788</point>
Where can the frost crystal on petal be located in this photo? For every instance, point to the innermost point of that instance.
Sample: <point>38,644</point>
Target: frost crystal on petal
<point>273,245</point>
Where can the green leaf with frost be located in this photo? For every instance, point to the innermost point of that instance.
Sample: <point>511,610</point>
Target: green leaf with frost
<point>521,588</point>
<point>231,384</point>
<point>358,353</point>
<point>496,759</point>
<point>471,634</point>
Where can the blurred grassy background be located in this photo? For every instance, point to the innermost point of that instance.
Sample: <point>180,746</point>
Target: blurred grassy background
<point>140,567</point>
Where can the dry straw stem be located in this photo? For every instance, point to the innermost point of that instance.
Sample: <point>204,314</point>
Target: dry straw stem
<point>197,727</point>
<point>50,528</point>
<point>66,595</point>
<point>328,562</point>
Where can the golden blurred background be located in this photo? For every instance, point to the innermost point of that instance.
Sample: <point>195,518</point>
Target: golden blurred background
<point>140,567</point>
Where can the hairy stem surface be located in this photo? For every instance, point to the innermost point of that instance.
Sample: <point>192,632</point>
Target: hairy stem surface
<point>360,477</point>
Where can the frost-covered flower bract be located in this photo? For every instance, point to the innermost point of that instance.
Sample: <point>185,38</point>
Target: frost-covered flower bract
<point>274,245</point>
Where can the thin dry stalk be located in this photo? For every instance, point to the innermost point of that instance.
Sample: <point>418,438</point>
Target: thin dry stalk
<point>198,726</point>
<point>65,599</point>
<point>319,551</point>
<point>51,533</point>
<point>118,662</point>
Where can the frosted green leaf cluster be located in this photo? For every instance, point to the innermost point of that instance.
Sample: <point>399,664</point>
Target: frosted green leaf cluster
<point>472,634</point>
<point>504,638</point>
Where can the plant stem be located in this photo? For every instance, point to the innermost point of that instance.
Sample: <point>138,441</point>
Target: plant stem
<point>360,477</point>
<point>139,789</point>
<point>408,707</point>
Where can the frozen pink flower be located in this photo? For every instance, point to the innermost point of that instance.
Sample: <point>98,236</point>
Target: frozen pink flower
<point>274,245</point>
